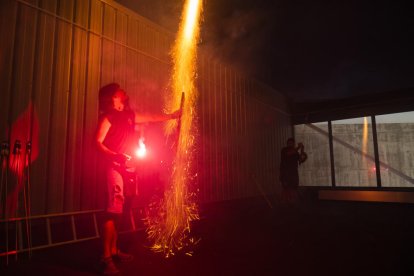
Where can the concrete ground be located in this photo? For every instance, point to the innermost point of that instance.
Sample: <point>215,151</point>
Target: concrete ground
<point>247,237</point>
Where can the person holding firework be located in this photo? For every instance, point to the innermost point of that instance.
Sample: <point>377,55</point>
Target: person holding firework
<point>116,140</point>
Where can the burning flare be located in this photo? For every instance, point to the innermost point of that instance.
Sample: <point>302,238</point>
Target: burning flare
<point>142,149</point>
<point>168,222</point>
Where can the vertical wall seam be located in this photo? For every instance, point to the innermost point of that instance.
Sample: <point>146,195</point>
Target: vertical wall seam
<point>69,106</point>
<point>376,152</point>
<point>114,47</point>
<point>52,96</point>
<point>102,40</point>
<point>82,169</point>
<point>331,154</point>
<point>12,75</point>
<point>35,62</point>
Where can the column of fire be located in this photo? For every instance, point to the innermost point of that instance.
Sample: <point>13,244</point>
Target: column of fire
<point>169,229</point>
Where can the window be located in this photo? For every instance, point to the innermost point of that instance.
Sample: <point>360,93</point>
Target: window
<point>354,152</point>
<point>395,135</point>
<point>316,171</point>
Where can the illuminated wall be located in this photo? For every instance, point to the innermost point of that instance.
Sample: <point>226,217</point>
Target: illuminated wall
<point>55,55</point>
<point>242,130</point>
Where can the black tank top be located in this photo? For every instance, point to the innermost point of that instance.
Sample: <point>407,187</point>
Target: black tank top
<point>121,136</point>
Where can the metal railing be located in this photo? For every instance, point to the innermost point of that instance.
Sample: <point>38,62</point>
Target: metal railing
<point>14,224</point>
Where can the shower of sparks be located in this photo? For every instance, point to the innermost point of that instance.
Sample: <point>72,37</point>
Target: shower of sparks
<point>168,221</point>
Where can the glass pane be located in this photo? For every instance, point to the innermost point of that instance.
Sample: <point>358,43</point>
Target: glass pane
<point>316,171</point>
<point>354,152</point>
<point>395,134</point>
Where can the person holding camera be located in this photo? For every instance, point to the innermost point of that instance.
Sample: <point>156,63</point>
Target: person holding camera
<point>291,157</point>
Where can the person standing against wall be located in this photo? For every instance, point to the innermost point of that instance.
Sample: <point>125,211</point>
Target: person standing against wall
<point>291,157</point>
<point>116,140</point>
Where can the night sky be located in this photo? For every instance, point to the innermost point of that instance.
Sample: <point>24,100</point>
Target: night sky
<point>308,50</point>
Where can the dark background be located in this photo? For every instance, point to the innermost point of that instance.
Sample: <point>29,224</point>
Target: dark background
<point>308,50</point>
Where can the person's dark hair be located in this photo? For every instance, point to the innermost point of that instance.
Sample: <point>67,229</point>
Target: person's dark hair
<point>291,139</point>
<point>105,97</point>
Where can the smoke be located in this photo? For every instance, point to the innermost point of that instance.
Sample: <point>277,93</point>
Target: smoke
<point>305,49</point>
<point>233,32</point>
<point>237,38</point>
<point>164,13</point>
<point>230,32</point>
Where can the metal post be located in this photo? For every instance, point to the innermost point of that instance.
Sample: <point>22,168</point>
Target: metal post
<point>16,161</point>
<point>27,197</point>
<point>331,153</point>
<point>95,223</point>
<point>5,154</point>
<point>72,222</point>
<point>49,232</point>
<point>131,217</point>
<point>376,152</point>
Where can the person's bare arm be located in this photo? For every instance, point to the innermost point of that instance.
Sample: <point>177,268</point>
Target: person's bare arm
<point>147,118</point>
<point>103,129</point>
<point>301,147</point>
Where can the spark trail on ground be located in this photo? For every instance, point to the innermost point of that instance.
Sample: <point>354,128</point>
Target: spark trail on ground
<point>168,222</point>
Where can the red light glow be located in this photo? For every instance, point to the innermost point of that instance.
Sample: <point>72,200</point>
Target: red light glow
<point>141,152</point>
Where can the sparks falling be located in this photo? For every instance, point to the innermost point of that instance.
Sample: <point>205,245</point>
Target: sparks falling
<point>168,223</point>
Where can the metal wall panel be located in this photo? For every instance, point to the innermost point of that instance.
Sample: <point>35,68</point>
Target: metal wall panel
<point>59,115</point>
<point>20,114</point>
<point>42,102</point>
<point>8,13</point>
<point>96,16</point>
<point>75,122</point>
<point>55,55</point>
<point>241,136</point>
<point>90,189</point>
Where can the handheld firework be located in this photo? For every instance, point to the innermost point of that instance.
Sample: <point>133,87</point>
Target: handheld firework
<point>179,121</point>
<point>169,221</point>
<point>141,151</point>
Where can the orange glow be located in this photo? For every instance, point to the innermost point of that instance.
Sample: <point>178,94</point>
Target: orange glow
<point>365,136</point>
<point>191,19</point>
<point>169,227</point>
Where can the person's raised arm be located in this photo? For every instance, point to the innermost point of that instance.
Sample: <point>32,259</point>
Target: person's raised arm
<point>147,118</point>
<point>301,147</point>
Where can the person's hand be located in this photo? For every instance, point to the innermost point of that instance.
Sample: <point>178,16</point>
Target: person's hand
<point>301,146</point>
<point>121,158</point>
<point>302,158</point>
<point>176,114</point>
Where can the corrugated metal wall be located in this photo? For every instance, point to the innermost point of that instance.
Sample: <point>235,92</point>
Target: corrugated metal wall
<point>242,131</point>
<point>55,55</point>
